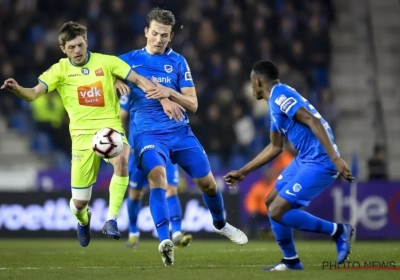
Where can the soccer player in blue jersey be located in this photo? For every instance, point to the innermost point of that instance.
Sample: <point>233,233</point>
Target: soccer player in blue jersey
<point>138,181</point>
<point>159,138</point>
<point>314,169</point>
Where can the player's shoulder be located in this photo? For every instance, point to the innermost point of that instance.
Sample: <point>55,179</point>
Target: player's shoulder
<point>283,94</point>
<point>130,55</point>
<point>177,57</point>
<point>61,65</point>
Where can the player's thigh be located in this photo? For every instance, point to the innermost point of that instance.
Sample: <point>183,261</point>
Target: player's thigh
<point>123,156</point>
<point>308,184</point>
<point>287,175</point>
<point>150,152</point>
<point>190,155</point>
<point>84,168</point>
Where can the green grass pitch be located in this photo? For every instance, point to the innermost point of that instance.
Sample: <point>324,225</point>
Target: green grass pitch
<point>109,259</point>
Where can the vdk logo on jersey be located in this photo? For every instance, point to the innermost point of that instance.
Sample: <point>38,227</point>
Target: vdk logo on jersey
<point>168,68</point>
<point>91,95</point>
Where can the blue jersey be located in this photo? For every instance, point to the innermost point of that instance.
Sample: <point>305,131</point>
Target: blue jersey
<point>284,102</point>
<point>171,70</point>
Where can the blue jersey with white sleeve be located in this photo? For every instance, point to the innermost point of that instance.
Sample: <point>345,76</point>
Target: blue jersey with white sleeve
<point>171,70</point>
<point>284,102</point>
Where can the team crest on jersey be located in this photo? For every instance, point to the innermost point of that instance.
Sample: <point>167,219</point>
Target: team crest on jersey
<point>168,68</point>
<point>85,71</point>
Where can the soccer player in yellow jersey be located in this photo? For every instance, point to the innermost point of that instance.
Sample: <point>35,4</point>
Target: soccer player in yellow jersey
<point>85,82</point>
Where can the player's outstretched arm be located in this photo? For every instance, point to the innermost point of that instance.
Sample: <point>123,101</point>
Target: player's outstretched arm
<point>143,83</point>
<point>188,98</point>
<point>267,155</point>
<point>27,94</point>
<point>305,117</point>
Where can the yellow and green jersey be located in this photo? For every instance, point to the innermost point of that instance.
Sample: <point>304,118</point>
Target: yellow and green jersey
<point>87,91</point>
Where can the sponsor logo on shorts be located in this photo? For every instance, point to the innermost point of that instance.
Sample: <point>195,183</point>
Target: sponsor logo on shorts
<point>91,95</point>
<point>280,99</point>
<point>287,104</point>
<point>296,187</point>
<point>146,148</point>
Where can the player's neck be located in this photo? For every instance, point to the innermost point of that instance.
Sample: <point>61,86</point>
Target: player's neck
<point>149,51</point>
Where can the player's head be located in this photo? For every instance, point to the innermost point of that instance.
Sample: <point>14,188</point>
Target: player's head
<point>159,30</point>
<point>73,41</point>
<point>263,74</point>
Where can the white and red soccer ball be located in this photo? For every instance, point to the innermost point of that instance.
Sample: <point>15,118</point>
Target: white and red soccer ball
<point>107,143</point>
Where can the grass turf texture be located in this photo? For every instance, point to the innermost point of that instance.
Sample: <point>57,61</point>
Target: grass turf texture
<point>109,259</point>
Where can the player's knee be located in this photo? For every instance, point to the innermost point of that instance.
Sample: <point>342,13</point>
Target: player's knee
<point>120,164</point>
<point>207,184</point>
<point>158,177</point>
<point>80,204</point>
<point>172,190</point>
<point>136,194</point>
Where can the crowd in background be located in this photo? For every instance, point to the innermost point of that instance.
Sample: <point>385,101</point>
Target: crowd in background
<point>220,39</point>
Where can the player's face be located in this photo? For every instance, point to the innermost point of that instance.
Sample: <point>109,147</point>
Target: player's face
<point>76,50</point>
<point>256,86</point>
<point>158,36</point>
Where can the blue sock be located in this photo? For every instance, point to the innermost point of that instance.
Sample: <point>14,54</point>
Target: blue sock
<point>133,212</point>
<point>159,212</point>
<point>302,220</point>
<point>175,211</point>
<point>215,203</point>
<point>284,237</point>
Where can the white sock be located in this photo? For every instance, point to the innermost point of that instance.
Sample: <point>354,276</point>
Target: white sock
<point>175,234</point>
<point>334,229</point>
<point>111,217</point>
<point>291,258</point>
<point>132,234</point>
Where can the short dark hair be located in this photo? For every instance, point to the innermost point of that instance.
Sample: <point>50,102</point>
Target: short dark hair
<point>267,69</point>
<point>161,16</point>
<point>69,31</point>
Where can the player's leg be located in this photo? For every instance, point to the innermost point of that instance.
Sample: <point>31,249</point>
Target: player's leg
<point>304,187</point>
<point>179,238</point>
<point>119,183</point>
<point>84,168</point>
<point>152,157</point>
<point>190,155</point>
<point>284,234</point>
<point>137,183</point>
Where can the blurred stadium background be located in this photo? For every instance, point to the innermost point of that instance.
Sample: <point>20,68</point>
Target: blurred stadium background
<point>344,56</point>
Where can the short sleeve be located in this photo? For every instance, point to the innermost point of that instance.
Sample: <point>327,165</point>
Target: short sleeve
<point>51,77</point>
<point>124,102</point>
<point>185,75</point>
<point>287,101</point>
<point>119,68</point>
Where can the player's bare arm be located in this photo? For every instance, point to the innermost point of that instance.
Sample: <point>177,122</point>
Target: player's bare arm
<point>188,98</point>
<point>143,83</point>
<point>121,87</point>
<point>267,155</point>
<point>172,109</point>
<point>27,94</point>
<point>305,117</point>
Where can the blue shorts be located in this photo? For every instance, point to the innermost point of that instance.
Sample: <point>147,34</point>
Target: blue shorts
<point>301,182</point>
<point>138,179</point>
<point>180,146</point>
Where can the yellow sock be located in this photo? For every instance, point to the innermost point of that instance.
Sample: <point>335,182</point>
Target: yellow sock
<point>118,187</point>
<point>81,215</point>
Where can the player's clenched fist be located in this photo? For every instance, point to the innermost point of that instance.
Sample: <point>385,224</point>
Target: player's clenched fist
<point>10,84</point>
<point>343,169</point>
<point>233,177</point>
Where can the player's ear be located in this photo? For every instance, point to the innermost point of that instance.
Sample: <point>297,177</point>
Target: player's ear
<point>145,31</point>
<point>62,49</point>
<point>170,37</point>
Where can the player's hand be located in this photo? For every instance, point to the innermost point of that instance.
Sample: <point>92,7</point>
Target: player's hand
<point>10,84</point>
<point>121,87</point>
<point>233,177</point>
<point>159,91</point>
<point>173,109</point>
<point>343,169</point>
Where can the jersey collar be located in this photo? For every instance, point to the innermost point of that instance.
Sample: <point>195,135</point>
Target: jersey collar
<point>167,51</point>
<point>87,60</point>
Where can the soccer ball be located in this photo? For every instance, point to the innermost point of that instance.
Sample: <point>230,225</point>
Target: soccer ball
<point>107,143</point>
